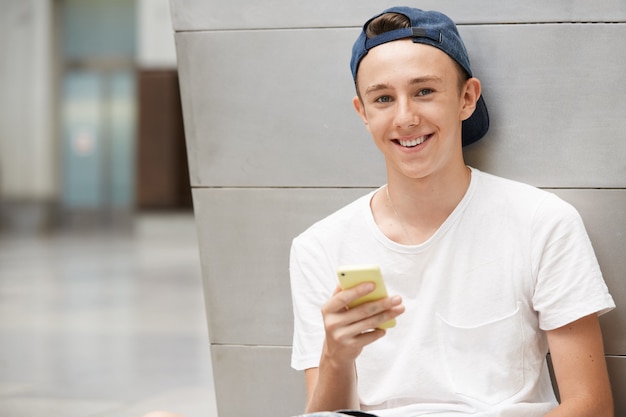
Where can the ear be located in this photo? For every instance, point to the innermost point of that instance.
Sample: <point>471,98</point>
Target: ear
<point>360,109</point>
<point>470,95</point>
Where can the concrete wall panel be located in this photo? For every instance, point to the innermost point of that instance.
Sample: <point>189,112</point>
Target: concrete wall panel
<point>192,15</point>
<point>280,112</point>
<point>556,119</point>
<point>257,381</point>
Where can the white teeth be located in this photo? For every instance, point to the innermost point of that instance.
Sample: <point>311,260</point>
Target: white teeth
<point>411,143</point>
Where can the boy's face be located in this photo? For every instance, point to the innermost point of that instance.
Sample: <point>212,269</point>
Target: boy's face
<point>412,104</point>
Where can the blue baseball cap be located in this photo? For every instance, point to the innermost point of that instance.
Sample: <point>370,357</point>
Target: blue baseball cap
<point>437,30</point>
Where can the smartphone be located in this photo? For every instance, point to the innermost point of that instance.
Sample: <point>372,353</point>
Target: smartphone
<point>352,275</point>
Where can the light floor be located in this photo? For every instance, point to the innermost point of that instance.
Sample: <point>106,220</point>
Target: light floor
<point>104,324</point>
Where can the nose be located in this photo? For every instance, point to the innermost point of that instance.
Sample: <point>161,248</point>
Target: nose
<point>406,114</point>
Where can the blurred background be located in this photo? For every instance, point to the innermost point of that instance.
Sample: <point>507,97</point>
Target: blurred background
<point>101,303</point>
<point>91,123</point>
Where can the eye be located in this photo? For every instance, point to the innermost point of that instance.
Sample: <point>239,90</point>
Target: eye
<point>425,91</point>
<point>383,99</point>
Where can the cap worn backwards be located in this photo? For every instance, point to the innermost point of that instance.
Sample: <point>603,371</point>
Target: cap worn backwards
<point>437,30</point>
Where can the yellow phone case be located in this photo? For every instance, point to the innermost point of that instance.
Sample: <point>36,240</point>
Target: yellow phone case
<point>352,275</point>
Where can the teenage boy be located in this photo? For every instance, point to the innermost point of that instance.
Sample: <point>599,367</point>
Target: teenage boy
<point>485,275</point>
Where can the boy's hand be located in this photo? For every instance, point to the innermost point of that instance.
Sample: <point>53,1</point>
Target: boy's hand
<point>348,330</point>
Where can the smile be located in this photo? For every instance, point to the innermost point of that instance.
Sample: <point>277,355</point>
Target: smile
<point>413,142</point>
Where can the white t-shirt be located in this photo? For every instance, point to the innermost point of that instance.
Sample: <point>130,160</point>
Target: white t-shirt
<point>509,263</point>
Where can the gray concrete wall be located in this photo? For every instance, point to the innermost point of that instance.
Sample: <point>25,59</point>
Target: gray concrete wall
<point>267,96</point>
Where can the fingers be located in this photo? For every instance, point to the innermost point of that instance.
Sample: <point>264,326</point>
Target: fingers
<point>341,298</point>
<point>373,314</point>
<point>348,330</point>
<point>370,314</point>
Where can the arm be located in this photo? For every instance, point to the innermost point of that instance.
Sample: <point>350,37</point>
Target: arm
<point>333,386</point>
<point>578,358</point>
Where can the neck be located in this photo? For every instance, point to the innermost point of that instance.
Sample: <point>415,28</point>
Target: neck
<point>410,211</point>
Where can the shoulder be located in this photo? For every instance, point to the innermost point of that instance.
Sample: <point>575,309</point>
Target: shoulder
<point>515,196</point>
<point>507,188</point>
<point>541,214</point>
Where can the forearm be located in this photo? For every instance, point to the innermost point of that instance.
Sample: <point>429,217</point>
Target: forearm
<point>580,368</point>
<point>335,387</point>
<point>583,407</point>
